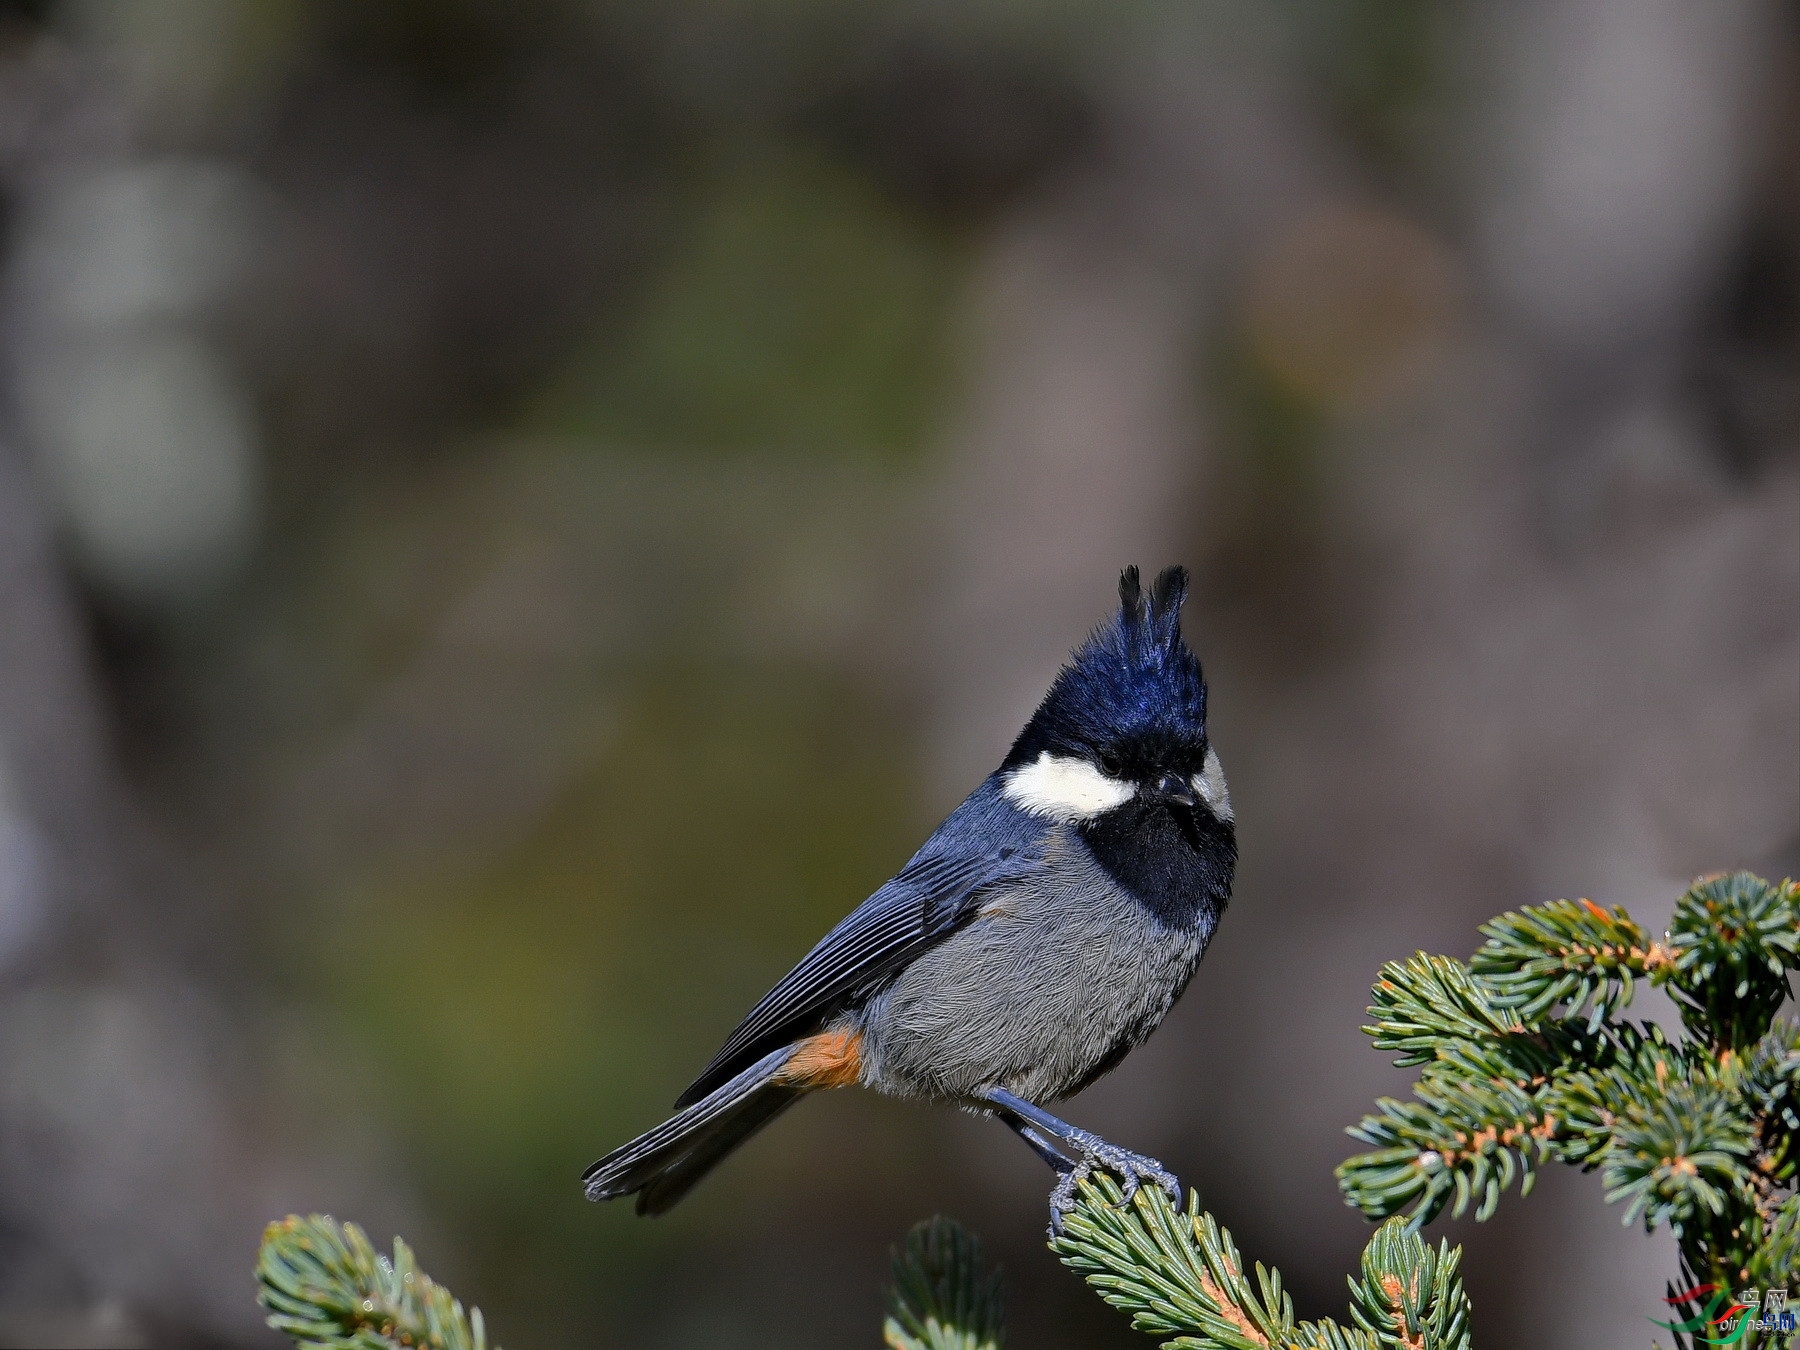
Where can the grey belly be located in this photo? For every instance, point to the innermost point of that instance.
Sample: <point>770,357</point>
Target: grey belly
<point>1049,981</point>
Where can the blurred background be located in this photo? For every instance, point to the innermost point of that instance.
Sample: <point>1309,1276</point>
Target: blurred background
<point>517,514</point>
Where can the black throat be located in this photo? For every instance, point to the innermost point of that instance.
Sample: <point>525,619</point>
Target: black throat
<point>1176,862</point>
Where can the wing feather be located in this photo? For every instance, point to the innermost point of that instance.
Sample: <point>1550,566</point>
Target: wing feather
<point>984,843</point>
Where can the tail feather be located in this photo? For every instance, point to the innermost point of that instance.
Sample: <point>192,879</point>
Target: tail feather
<point>666,1163</point>
<point>709,1151</point>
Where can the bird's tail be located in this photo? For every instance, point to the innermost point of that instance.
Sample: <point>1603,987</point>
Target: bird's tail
<point>662,1166</point>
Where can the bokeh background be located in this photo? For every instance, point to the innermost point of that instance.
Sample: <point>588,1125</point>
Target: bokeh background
<point>516,514</point>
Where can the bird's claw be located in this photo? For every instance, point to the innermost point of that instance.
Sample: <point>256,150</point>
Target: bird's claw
<point>1062,1198</point>
<point>1132,1169</point>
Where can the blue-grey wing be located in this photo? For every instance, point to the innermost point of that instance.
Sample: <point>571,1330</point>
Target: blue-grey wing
<point>984,843</point>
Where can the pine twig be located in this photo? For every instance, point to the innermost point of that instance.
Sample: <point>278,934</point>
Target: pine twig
<point>942,1298</point>
<point>1523,1060</point>
<point>1571,952</point>
<point>1734,941</point>
<point>1179,1274</point>
<point>325,1285</point>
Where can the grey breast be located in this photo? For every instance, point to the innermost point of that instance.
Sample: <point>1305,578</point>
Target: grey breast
<point>1056,975</point>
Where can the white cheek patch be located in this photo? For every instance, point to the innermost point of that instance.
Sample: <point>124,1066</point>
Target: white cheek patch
<point>1210,784</point>
<point>1064,789</point>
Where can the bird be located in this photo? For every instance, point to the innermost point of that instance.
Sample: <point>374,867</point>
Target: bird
<point>1038,937</point>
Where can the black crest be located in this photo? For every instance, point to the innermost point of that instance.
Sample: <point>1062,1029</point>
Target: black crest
<point>1148,630</point>
<point>1134,677</point>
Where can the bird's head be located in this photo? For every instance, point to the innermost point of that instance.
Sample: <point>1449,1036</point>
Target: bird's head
<point>1123,728</point>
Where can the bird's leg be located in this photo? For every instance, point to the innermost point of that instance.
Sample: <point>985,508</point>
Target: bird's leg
<point>1039,1145</point>
<point>1133,1169</point>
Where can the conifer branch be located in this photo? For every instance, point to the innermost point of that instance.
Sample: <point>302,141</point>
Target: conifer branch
<point>1421,1004</point>
<point>1569,952</point>
<point>1179,1274</point>
<point>1523,1061</point>
<point>1411,1295</point>
<point>1734,940</point>
<point>942,1298</point>
<point>325,1285</point>
<point>1772,1075</point>
<point>1776,1262</point>
<point>1589,1101</point>
<point>1680,1157</point>
<point>1461,1143</point>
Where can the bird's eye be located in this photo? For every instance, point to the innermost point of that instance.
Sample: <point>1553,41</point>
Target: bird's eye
<point>1110,765</point>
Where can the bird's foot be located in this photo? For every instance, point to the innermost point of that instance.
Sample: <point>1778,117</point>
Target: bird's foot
<point>1132,1169</point>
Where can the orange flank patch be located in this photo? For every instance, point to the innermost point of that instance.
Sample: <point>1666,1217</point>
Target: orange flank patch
<point>830,1059</point>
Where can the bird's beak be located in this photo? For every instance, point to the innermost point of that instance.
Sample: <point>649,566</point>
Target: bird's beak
<point>1176,790</point>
